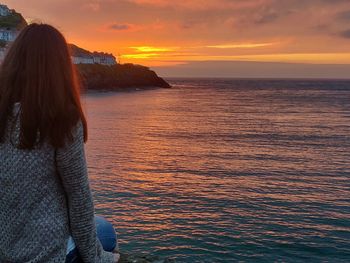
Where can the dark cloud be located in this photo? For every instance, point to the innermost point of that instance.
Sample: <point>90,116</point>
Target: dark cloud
<point>186,25</point>
<point>344,15</point>
<point>322,28</point>
<point>120,27</point>
<point>267,18</point>
<point>345,33</point>
<point>334,1</point>
<point>189,24</point>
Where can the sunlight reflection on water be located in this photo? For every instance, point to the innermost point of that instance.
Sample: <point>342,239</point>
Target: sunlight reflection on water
<point>222,170</point>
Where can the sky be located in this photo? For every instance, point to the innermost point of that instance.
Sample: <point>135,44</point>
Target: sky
<point>208,38</point>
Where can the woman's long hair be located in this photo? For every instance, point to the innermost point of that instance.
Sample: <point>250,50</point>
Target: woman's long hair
<point>38,72</point>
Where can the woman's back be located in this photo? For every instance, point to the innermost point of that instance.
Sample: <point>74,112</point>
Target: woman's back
<point>32,201</point>
<point>44,188</point>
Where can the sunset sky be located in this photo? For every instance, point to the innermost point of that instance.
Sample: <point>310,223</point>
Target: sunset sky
<point>247,38</point>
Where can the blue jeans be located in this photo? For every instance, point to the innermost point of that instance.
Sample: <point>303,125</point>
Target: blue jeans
<point>105,233</point>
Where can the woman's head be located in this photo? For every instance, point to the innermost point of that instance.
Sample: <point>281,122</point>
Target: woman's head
<point>37,71</point>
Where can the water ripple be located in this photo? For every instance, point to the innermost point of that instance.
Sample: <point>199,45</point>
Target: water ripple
<point>225,170</point>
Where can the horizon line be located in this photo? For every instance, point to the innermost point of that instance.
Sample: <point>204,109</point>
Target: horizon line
<point>259,78</point>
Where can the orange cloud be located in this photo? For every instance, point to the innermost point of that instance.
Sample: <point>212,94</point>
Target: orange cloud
<point>200,4</point>
<point>140,55</point>
<point>163,31</point>
<point>153,49</point>
<point>309,58</point>
<point>242,45</point>
<point>129,27</point>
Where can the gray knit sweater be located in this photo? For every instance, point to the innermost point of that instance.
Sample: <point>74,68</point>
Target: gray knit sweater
<point>44,197</point>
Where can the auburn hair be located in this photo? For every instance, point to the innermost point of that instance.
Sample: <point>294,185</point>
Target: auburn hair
<point>38,72</point>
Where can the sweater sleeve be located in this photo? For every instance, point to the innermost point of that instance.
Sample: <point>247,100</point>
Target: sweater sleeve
<point>71,166</point>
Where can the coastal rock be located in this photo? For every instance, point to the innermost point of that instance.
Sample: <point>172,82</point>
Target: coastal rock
<point>142,258</point>
<point>119,77</point>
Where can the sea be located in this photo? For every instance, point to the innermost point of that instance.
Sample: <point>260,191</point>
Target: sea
<point>225,170</point>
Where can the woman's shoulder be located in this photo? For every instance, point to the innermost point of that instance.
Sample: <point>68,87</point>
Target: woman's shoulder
<point>74,142</point>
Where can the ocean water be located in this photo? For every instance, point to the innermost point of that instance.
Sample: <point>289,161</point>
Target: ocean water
<point>219,170</point>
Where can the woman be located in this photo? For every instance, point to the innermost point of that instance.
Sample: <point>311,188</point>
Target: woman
<point>46,206</point>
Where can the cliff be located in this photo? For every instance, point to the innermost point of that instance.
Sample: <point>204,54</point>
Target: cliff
<point>118,77</point>
<point>101,71</point>
<point>80,52</point>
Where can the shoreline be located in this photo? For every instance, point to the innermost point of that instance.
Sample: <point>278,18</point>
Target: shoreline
<point>120,90</point>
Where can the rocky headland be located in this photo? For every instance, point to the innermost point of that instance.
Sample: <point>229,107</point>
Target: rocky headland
<point>119,77</point>
<point>99,71</point>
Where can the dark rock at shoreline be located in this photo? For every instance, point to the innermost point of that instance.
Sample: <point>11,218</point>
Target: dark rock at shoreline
<point>142,258</point>
<point>118,77</point>
<point>126,258</point>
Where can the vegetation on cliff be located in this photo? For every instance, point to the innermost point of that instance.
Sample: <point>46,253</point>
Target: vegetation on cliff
<point>78,51</point>
<point>119,76</point>
<point>13,21</point>
<point>3,43</point>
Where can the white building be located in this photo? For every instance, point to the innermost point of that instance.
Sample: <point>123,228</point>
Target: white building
<point>83,60</point>
<point>110,60</point>
<point>104,58</point>
<point>80,57</point>
<point>4,10</point>
<point>7,34</point>
<point>95,58</point>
